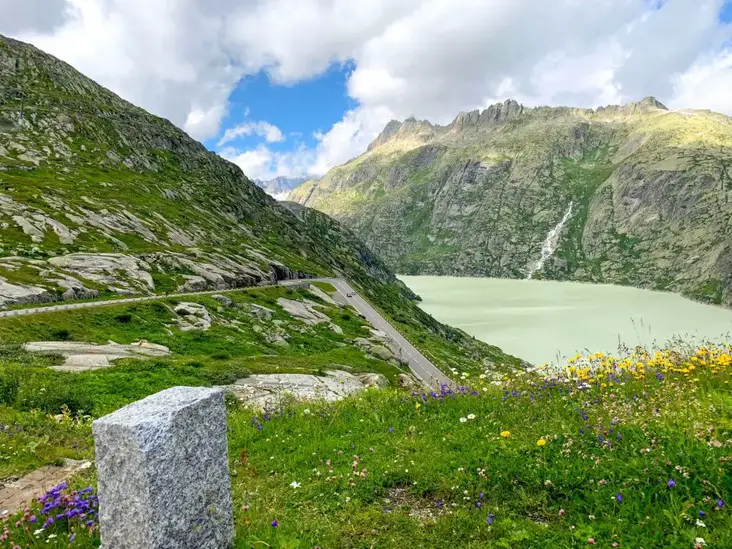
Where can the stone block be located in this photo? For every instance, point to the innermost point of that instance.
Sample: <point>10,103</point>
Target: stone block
<point>163,472</point>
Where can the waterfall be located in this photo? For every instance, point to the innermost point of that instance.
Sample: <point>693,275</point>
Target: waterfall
<point>549,246</point>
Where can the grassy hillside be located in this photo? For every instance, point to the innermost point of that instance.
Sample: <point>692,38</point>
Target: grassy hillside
<point>618,452</point>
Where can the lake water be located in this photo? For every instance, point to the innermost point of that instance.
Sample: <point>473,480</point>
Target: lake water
<point>545,321</point>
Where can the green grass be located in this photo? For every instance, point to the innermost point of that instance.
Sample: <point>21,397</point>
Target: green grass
<point>389,469</point>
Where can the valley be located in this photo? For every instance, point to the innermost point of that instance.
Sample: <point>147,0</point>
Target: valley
<point>636,195</point>
<point>356,408</point>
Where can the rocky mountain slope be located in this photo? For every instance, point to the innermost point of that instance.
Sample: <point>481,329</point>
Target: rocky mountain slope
<point>633,194</point>
<point>279,187</point>
<point>98,197</point>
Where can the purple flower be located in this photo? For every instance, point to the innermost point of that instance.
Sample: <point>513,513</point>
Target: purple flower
<point>671,483</point>
<point>702,514</point>
<point>720,503</point>
<point>72,538</point>
<point>490,518</point>
<point>619,498</point>
<point>391,429</point>
<point>440,504</point>
<point>479,504</point>
<point>387,510</point>
<point>275,524</point>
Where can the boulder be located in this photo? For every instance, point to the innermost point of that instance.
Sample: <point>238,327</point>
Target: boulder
<point>381,352</point>
<point>225,301</point>
<point>192,317</point>
<point>264,389</point>
<point>303,310</point>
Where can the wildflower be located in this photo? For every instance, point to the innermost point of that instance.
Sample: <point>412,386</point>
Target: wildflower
<point>699,542</point>
<point>306,411</point>
<point>591,517</point>
<point>391,429</point>
<point>619,498</point>
<point>702,514</point>
<point>245,507</point>
<point>295,484</point>
<point>671,483</point>
<point>275,524</point>
<point>591,541</point>
<point>505,434</point>
<point>720,503</point>
<point>700,524</point>
<point>471,416</point>
<point>463,420</point>
<point>541,442</point>
<point>490,518</point>
<point>561,512</point>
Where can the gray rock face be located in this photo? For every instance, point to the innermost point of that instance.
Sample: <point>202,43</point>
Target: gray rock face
<point>20,294</point>
<point>193,316</point>
<point>303,310</point>
<point>81,357</point>
<point>164,472</point>
<point>262,389</point>
<point>97,267</point>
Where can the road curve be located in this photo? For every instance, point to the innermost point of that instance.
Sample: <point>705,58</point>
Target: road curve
<point>418,363</point>
<point>425,371</point>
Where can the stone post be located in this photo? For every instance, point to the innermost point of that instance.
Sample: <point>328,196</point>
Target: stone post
<point>163,472</point>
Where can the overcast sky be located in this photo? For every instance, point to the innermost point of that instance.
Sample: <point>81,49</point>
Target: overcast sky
<point>294,87</point>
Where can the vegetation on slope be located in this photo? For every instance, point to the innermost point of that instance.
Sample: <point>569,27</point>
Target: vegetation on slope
<point>617,452</point>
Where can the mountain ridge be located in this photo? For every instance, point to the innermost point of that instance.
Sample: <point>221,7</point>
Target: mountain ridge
<point>478,196</point>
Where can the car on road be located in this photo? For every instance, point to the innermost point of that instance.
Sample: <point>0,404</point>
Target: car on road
<point>349,294</point>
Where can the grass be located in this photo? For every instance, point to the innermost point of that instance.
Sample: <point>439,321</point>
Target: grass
<point>616,452</point>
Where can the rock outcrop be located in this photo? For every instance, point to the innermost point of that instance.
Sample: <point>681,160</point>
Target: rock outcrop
<point>259,391</point>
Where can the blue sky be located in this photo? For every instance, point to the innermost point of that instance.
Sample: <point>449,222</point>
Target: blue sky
<point>299,110</point>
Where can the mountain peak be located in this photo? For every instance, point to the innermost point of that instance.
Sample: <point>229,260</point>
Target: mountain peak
<point>498,113</point>
<point>410,128</point>
<point>645,105</point>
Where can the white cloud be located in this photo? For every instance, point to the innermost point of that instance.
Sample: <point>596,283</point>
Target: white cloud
<point>21,15</point>
<point>270,132</point>
<point>427,58</point>
<point>700,85</point>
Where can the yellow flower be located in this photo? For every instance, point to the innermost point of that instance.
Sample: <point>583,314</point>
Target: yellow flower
<point>505,434</point>
<point>541,442</point>
<point>418,406</point>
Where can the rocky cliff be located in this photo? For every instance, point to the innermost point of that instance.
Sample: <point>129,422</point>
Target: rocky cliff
<point>634,194</point>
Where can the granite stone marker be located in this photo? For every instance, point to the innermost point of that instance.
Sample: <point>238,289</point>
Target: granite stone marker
<point>163,472</point>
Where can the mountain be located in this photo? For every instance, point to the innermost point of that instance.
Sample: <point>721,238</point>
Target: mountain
<point>99,197</point>
<point>634,194</point>
<point>279,187</point>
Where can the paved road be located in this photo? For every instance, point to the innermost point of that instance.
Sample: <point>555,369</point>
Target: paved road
<point>90,304</point>
<point>418,363</point>
<point>420,366</point>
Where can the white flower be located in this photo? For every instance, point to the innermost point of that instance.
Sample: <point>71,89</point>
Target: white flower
<point>463,419</point>
<point>700,541</point>
<point>482,376</point>
<point>51,536</point>
<point>295,484</point>
<point>700,524</point>
<point>38,532</point>
<point>471,416</point>
<point>306,411</point>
